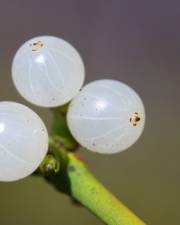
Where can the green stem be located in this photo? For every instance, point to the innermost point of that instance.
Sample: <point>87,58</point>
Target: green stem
<point>93,195</point>
<point>70,175</point>
<point>75,179</point>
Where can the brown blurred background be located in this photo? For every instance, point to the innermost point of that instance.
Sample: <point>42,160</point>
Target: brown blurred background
<point>137,42</point>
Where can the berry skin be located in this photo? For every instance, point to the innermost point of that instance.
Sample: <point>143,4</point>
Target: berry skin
<point>23,141</point>
<point>107,116</point>
<point>47,71</point>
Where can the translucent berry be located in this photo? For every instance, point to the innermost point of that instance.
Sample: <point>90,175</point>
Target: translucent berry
<point>23,141</point>
<point>107,116</point>
<point>48,71</point>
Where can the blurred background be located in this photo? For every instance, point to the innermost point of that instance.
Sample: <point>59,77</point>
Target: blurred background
<point>137,42</point>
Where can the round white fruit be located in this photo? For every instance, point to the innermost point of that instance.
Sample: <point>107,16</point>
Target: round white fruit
<point>23,141</point>
<point>48,71</point>
<point>107,116</point>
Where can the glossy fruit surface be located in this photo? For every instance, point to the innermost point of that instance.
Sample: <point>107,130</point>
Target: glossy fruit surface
<point>47,71</point>
<point>107,116</point>
<point>23,141</point>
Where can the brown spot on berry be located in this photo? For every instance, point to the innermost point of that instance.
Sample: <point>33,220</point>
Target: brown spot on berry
<point>36,45</point>
<point>134,119</point>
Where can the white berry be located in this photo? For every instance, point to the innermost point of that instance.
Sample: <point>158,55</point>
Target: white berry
<point>23,141</point>
<point>48,71</point>
<point>106,116</point>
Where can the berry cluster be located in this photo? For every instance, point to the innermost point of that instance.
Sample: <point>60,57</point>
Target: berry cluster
<point>105,116</point>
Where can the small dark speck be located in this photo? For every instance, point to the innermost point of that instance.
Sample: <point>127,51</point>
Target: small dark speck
<point>137,119</point>
<point>71,168</point>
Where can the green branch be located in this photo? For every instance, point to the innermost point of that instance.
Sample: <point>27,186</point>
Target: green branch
<point>69,174</point>
<point>74,179</point>
<point>86,189</point>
